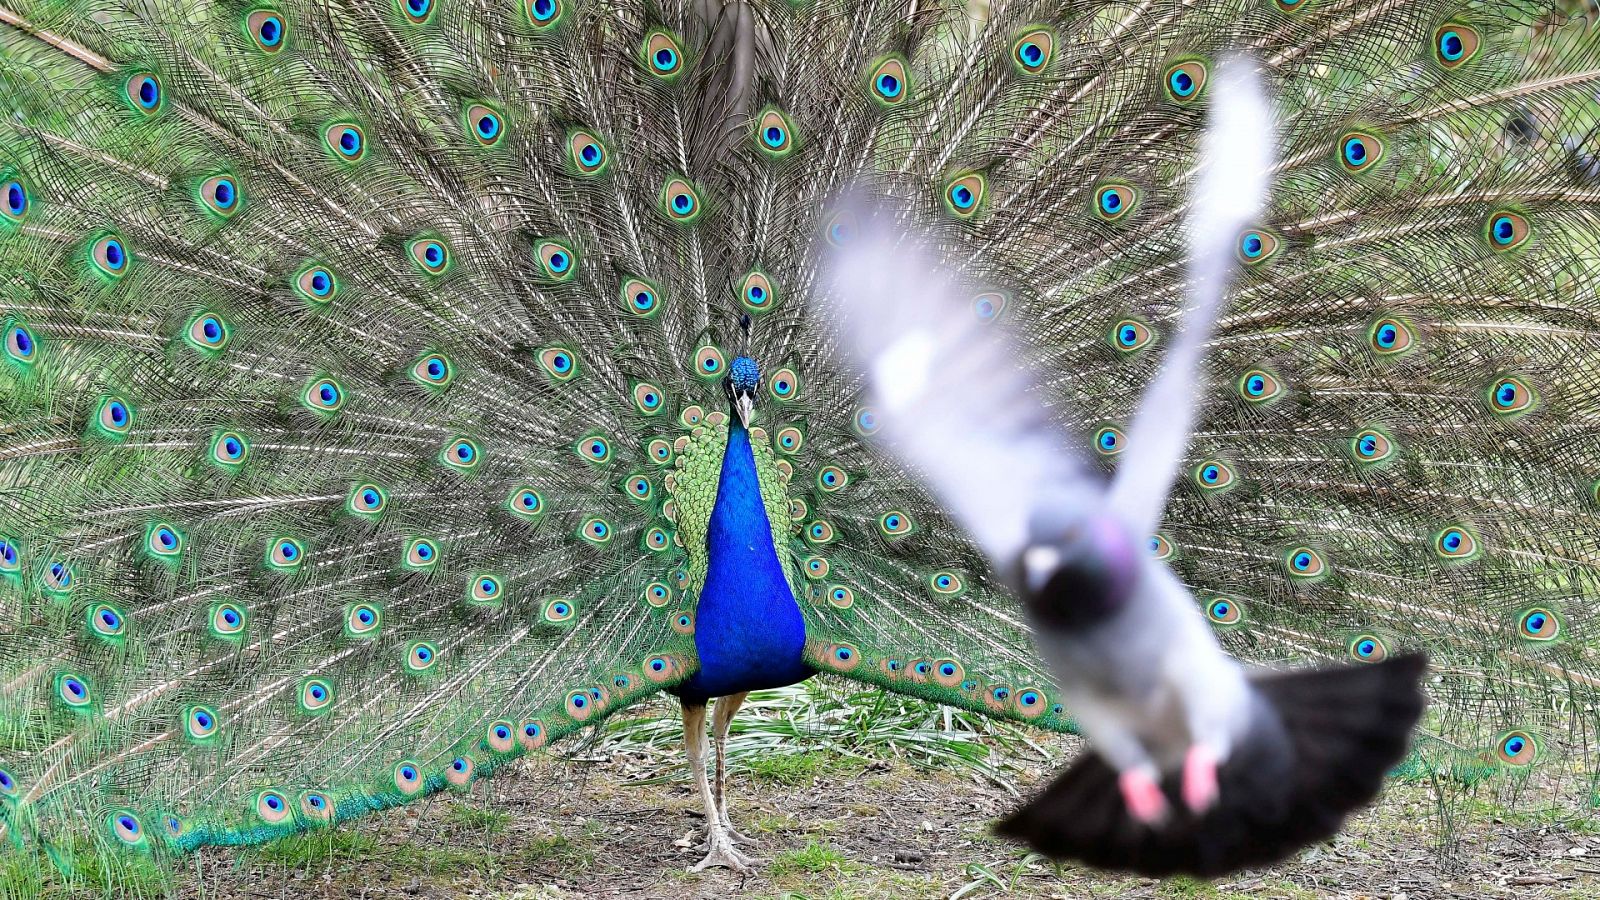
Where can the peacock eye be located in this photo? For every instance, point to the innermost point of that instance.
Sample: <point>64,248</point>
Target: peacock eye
<point>544,14</point>
<point>1456,542</point>
<point>1538,624</point>
<point>1510,395</point>
<point>774,134</point>
<point>1259,386</point>
<point>484,124</point>
<point>266,27</point>
<point>1129,335</point>
<point>1032,50</point>
<point>1367,648</point>
<point>347,141</point>
<point>1114,201</point>
<point>1507,231</point>
<point>889,83</point>
<point>1360,151</point>
<point>1108,441</point>
<point>1454,44</point>
<point>1183,81</point>
<point>964,196</point>
<point>663,57</point>
<point>681,201</point>
<point>756,293</point>
<point>1257,246</point>
<point>144,92</point>
<point>1371,446</point>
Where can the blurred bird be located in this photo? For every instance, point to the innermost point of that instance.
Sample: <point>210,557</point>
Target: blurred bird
<point>1199,766</point>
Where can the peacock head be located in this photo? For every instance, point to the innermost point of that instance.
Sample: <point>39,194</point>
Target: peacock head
<point>744,378</point>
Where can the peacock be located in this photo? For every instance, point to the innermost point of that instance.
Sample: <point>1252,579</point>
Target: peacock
<point>391,388</point>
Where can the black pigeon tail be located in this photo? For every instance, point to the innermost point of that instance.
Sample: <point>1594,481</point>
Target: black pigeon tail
<point>1325,740</point>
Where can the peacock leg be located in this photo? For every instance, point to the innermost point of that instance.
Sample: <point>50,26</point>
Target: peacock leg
<point>721,719</point>
<point>719,849</point>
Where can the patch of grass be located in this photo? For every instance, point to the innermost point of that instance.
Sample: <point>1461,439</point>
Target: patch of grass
<point>477,818</point>
<point>766,824</point>
<point>558,850</point>
<point>1186,887</point>
<point>790,769</point>
<point>425,859</point>
<point>317,848</point>
<point>813,858</point>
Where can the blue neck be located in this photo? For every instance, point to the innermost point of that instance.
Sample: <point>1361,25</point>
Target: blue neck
<point>748,629</point>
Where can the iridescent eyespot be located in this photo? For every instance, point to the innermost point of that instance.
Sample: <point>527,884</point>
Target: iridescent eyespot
<point>1113,201</point>
<point>109,256</point>
<point>638,487</point>
<point>1030,702</point>
<point>57,578</point>
<point>484,124</point>
<point>14,200</point>
<point>1184,80</point>
<point>866,421</point>
<point>1538,624</point>
<point>1456,542</point>
<point>1454,44</point>
<point>831,478</point>
<point>1032,51</point>
<point>324,395</point>
<point>21,345</point>
<point>126,827</point>
<point>756,293</point>
<point>819,532</point>
<point>894,523</point>
<point>106,621</point>
<point>316,695</point>
<point>407,777</point>
<point>501,736</point>
<point>816,567</point>
<point>841,597</point>
<point>709,362</point>
<point>208,333</point>
<point>660,668</point>
<point>964,196</point>
<point>533,735</point>
<point>841,657</point>
<point>525,502</point>
<point>841,228</point>
<point>1129,335</point>
<point>459,772</point>
<point>267,29</point>
<point>220,194</point>
<point>10,557</point>
<point>430,254</point>
<point>774,134</point>
<point>680,201</point>
<point>1257,246</point>
<point>558,610</point>
<point>285,553</point>
<point>784,384</point>
<point>1360,151</point>
<point>1259,386</point>
<point>683,623</point>
<point>421,656</point>
<point>560,362</point>
<point>417,12</point>
<point>115,416</point>
<point>580,705</point>
<point>1389,337</point>
<point>889,83</point>
<point>1224,611</point>
<point>948,672</point>
<point>461,454</point>
<point>660,451</point>
<point>557,259</point>
<point>593,448</point>
<point>1109,440</point>
<point>347,141</point>
<point>662,56</point>
<point>544,14</point>
<point>73,690</point>
<point>1371,446</point>
<point>1213,475</point>
<point>1507,231</point>
<point>589,156</point>
<point>989,305</point>
<point>1367,648</point>
<point>316,284</point>
<point>145,93</point>
<point>1291,6</point>
<point>227,621</point>
<point>433,371</point>
<point>200,723</point>
<point>789,440</point>
<point>8,785</point>
<point>1517,748</point>
<point>647,398</point>
<point>1160,546</point>
<point>657,594</point>
<point>946,584</point>
<point>595,531</point>
<point>316,806</point>
<point>1510,395</point>
<point>1304,562</point>
<point>421,553</point>
<point>363,620</point>
<point>163,540</point>
<point>640,297</point>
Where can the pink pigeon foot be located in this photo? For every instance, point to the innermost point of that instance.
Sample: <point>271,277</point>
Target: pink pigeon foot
<point>1142,795</point>
<point>1199,779</point>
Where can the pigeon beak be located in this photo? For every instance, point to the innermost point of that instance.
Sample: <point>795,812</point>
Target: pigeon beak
<point>745,405</point>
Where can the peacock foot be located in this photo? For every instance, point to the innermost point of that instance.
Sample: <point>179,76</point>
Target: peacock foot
<point>734,837</point>
<point>721,852</point>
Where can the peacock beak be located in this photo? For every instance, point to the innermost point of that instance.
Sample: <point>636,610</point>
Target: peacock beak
<point>745,405</point>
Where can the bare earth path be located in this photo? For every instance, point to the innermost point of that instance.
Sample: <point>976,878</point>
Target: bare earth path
<point>837,827</point>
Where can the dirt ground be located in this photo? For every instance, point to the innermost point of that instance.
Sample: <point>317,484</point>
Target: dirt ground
<point>839,827</point>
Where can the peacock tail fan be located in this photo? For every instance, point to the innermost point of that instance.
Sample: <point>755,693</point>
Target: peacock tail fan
<point>361,398</point>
